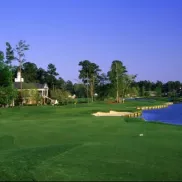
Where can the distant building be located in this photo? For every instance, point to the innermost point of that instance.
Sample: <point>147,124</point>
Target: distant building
<point>30,88</point>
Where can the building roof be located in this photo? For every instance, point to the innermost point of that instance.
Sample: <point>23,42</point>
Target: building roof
<point>17,85</point>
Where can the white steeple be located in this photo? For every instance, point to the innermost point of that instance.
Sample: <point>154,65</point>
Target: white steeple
<point>19,79</point>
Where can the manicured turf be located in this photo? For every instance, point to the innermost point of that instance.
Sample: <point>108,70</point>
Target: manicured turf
<point>67,143</point>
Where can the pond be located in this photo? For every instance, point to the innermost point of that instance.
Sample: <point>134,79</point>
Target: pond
<point>170,115</point>
<point>140,99</point>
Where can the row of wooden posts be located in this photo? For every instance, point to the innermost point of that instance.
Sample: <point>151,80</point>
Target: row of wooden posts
<point>137,114</point>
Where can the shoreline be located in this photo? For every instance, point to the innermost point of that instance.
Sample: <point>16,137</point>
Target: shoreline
<point>155,107</point>
<point>132,114</point>
<point>161,117</point>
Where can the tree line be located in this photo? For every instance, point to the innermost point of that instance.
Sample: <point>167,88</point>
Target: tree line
<point>93,84</point>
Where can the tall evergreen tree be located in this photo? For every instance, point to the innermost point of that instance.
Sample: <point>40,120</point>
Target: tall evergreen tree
<point>116,75</point>
<point>89,74</point>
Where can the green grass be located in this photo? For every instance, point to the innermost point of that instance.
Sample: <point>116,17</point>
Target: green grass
<point>68,143</point>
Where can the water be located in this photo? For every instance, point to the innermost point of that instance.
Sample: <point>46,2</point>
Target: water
<point>140,99</point>
<point>170,115</point>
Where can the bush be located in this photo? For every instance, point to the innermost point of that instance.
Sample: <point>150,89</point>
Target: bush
<point>61,96</point>
<point>19,99</point>
<point>7,94</point>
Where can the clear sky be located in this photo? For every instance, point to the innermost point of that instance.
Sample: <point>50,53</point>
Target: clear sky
<point>145,34</point>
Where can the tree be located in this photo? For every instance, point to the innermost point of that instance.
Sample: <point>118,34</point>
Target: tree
<point>41,76</point>
<point>158,91</point>
<point>1,57</point>
<point>104,89</point>
<point>143,91</point>
<point>170,86</point>
<point>103,79</point>
<point>177,85</point>
<point>29,72</point>
<point>80,90</point>
<point>60,83</point>
<point>89,74</point>
<point>7,92</point>
<point>9,54</point>
<point>5,74</point>
<point>70,87</point>
<point>159,84</point>
<point>21,47</point>
<point>134,91</point>
<point>127,81</point>
<point>116,76</point>
<point>51,75</point>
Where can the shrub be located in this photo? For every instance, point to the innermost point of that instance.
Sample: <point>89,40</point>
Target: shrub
<point>7,94</point>
<point>61,96</point>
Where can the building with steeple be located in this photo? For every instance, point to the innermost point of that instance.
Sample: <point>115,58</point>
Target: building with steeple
<point>30,89</point>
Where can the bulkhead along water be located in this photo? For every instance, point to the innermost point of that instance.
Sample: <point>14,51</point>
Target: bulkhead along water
<point>170,115</point>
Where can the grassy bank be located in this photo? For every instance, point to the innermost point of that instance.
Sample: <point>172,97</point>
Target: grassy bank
<point>68,143</point>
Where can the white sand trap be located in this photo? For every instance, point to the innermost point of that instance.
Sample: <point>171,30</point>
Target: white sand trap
<point>112,113</point>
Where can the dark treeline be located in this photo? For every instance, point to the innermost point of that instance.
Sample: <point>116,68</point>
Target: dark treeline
<point>162,89</point>
<point>31,73</point>
<point>116,83</point>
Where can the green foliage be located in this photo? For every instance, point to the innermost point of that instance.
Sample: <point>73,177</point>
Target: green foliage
<point>116,72</point>
<point>147,94</point>
<point>41,76</point>
<point>18,99</point>
<point>89,70</point>
<point>61,84</point>
<point>69,87</point>
<point>1,57</point>
<point>7,94</point>
<point>158,91</point>
<point>9,54</point>
<point>133,91</point>
<point>5,75</point>
<point>89,74</point>
<point>127,81</point>
<point>116,77</point>
<point>51,75</point>
<point>36,96</point>
<point>31,95</point>
<point>80,90</point>
<point>172,94</point>
<point>105,85</point>
<point>119,79</point>
<point>21,47</point>
<point>51,70</point>
<point>143,91</point>
<point>29,72</point>
<point>61,96</point>
<point>105,91</point>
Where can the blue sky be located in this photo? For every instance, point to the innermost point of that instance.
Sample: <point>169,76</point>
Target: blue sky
<point>145,34</point>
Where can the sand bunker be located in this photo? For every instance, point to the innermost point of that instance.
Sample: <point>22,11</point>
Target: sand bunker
<point>112,113</point>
